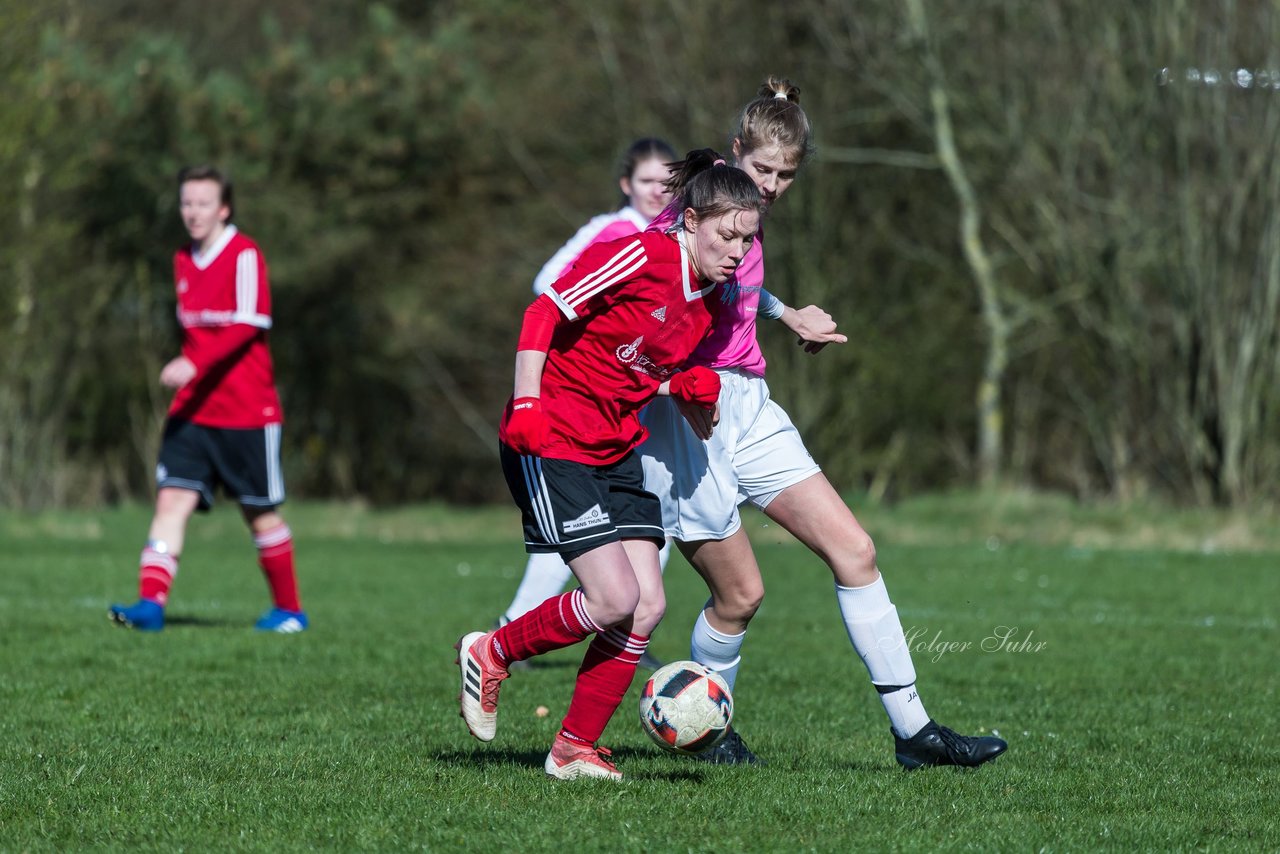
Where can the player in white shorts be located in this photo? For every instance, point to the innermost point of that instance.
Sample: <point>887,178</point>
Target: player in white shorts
<point>756,455</point>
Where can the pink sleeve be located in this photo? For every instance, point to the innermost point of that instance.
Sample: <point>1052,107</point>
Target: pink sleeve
<point>621,228</point>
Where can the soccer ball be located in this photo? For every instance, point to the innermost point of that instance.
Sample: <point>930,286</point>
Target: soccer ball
<point>685,707</point>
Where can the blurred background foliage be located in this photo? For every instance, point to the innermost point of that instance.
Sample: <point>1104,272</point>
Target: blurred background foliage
<point>1059,265</point>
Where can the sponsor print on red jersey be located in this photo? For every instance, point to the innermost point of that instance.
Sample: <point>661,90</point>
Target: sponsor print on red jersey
<point>224,307</point>
<point>638,311</point>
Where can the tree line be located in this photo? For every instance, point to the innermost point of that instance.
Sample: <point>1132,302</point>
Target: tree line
<point>1051,230</point>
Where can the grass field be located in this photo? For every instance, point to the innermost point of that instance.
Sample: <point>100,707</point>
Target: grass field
<point>1137,691</point>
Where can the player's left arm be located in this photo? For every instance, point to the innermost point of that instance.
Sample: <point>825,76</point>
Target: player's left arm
<point>813,326</point>
<point>252,315</point>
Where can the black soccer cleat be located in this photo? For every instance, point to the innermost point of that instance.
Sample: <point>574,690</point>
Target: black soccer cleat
<point>937,745</point>
<point>731,750</point>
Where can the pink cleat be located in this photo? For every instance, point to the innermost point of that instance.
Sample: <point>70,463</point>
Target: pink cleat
<point>569,760</point>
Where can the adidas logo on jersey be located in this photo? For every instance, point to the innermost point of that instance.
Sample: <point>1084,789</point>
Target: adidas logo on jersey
<point>593,517</point>
<point>660,314</point>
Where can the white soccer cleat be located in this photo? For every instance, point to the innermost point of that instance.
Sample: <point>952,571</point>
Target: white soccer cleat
<point>481,679</point>
<point>569,760</point>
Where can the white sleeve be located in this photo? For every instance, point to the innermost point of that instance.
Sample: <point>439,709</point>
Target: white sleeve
<point>247,301</point>
<point>569,253</point>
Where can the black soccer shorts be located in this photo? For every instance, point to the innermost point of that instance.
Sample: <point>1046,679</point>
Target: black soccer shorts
<point>571,508</point>
<point>245,462</point>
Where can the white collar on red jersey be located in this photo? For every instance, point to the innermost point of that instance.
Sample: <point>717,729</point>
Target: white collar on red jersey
<point>685,264</point>
<point>203,259</point>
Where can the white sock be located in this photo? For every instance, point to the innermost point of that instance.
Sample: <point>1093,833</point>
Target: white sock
<point>716,650</point>
<point>876,634</point>
<point>544,576</point>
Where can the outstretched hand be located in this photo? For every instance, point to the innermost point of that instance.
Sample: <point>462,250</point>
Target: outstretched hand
<point>813,327</point>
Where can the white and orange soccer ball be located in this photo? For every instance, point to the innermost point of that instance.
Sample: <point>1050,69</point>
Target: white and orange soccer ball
<point>685,707</point>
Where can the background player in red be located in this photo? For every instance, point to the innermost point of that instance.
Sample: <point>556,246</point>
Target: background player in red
<point>224,422</point>
<point>642,180</point>
<point>609,336</point>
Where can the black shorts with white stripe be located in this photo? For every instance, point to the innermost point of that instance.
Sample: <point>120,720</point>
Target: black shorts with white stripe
<point>571,508</point>
<point>246,463</point>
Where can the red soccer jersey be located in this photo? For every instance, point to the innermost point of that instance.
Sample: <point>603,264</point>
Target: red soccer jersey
<point>636,312</point>
<point>224,306</point>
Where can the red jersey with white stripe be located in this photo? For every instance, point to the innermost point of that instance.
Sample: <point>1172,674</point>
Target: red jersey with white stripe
<point>637,311</point>
<point>224,307</point>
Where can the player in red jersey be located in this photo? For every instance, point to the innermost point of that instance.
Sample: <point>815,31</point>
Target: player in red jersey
<point>642,180</point>
<point>610,335</point>
<point>224,422</point>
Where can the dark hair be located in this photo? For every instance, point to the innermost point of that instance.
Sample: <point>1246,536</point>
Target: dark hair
<point>642,150</point>
<point>774,117</point>
<point>704,182</point>
<point>205,172</point>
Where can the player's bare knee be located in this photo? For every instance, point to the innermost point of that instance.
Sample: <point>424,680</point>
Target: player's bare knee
<point>739,605</point>
<point>172,513</point>
<point>863,553</point>
<point>649,612</point>
<point>854,565</point>
<point>613,605</point>
<point>646,620</point>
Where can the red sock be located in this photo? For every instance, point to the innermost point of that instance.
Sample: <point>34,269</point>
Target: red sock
<point>558,622</point>
<point>155,575</point>
<point>603,679</point>
<point>275,556</point>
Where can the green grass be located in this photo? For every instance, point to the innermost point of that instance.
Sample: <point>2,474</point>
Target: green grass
<point>1144,721</point>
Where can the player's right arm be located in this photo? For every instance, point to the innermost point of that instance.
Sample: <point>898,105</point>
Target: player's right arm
<point>524,427</point>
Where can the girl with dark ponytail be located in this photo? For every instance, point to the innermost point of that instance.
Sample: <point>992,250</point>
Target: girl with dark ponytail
<point>609,336</point>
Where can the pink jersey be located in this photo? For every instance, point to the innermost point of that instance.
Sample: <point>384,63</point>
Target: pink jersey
<point>224,306</point>
<point>635,312</point>
<point>732,343</point>
<point>599,229</point>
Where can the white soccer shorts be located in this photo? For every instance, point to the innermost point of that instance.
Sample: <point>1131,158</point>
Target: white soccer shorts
<point>754,453</point>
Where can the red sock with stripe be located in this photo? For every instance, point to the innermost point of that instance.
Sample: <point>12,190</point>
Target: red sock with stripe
<point>558,622</point>
<point>275,556</point>
<point>603,680</point>
<point>156,571</point>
